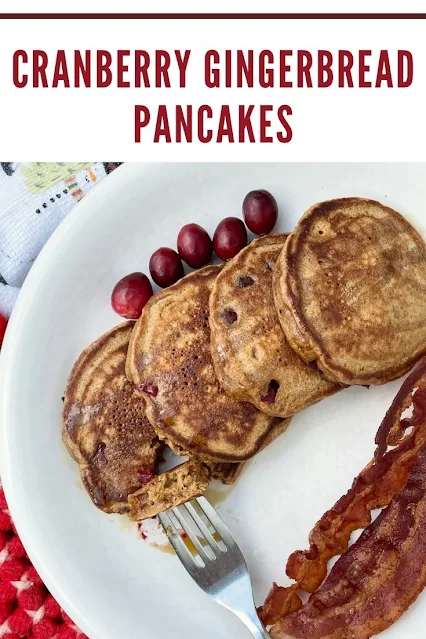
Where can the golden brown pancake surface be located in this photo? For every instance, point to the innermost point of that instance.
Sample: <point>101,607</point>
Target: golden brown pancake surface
<point>251,355</point>
<point>104,423</point>
<point>169,489</point>
<point>351,291</point>
<point>169,360</point>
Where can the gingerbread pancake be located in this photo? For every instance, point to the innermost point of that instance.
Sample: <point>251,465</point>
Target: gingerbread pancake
<point>104,423</point>
<point>169,360</point>
<point>350,290</point>
<point>252,358</point>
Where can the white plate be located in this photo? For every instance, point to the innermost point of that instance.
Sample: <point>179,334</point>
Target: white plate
<point>113,584</point>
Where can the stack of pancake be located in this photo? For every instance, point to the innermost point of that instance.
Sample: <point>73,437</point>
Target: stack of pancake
<point>219,362</point>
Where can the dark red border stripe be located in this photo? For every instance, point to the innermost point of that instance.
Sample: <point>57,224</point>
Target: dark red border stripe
<point>213,16</point>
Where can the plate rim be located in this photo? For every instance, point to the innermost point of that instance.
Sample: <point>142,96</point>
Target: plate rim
<point>74,218</point>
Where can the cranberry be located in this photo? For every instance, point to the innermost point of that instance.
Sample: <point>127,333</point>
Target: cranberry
<point>194,245</point>
<point>245,280</point>
<point>100,452</point>
<point>229,316</point>
<point>260,211</point>
<point>130,295</point>
<point>144,476</point>
<point>165,267</point>
<point>148,388</point>
<point>3,324</point>
<point>273,387</point>
<point>229,238</point>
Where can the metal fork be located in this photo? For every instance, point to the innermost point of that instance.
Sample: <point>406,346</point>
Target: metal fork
<point>220,568</point>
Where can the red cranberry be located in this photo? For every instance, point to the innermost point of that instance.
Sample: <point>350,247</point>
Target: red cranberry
<point>194,245</point>
<point>165,267</point>
<point>3,324</point>
<point>229,238</point>
<point>273,387</point>
<point>144,476</point>
<point>148,388</point>
<point>260,211</point>
<point>130,295</point>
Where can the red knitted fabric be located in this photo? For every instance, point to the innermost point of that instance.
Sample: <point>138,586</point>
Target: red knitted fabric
<point>27,609</point>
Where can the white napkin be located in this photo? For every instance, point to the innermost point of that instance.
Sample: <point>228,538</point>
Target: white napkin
<point>34,199</point>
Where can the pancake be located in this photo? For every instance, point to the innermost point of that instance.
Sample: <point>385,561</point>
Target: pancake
<point>104,424</point>
<point>351,291</point>
<point>169,489</point>
<point>252,358</point>
<point>169,360</point>
<point>228,473</point>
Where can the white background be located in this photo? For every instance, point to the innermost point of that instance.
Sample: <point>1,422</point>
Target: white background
<point>328,124</point>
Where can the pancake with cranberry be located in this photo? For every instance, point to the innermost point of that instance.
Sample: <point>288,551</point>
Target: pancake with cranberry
<point>350,289</point>
<point>169,489</point>
<point>104,424</point>
<point>252,358</point>
<point>169,360</point>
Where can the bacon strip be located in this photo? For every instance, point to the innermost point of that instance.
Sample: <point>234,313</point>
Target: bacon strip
<point>377,579</point>
<point>381,479</point>
<point>279,603</point>
<point>374,487</point>
<point>392,428</point>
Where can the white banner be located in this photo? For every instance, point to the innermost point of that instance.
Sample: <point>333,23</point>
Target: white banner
<point>168,90</point>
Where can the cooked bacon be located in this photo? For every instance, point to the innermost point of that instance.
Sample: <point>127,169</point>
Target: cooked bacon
<point>377,579</point>
<point>279,603</point>
<point>374,487</point>
<point>392,428</point>
<point>384,477</point>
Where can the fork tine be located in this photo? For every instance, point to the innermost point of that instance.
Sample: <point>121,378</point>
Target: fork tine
<point>217,523</point>
<point>193,537</point>
<point>202,527</point>
<point>180,548</point>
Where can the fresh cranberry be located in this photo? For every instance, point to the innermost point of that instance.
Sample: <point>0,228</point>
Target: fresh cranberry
<point>229,238</point>
<point>144,476</point>
<point>165,267</point>
<point>3,324</point>
<point>260,211</point>
<point>130,295</point>
<point>194,245</point>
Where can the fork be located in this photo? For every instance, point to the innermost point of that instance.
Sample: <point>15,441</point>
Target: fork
<point>220,568</point>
